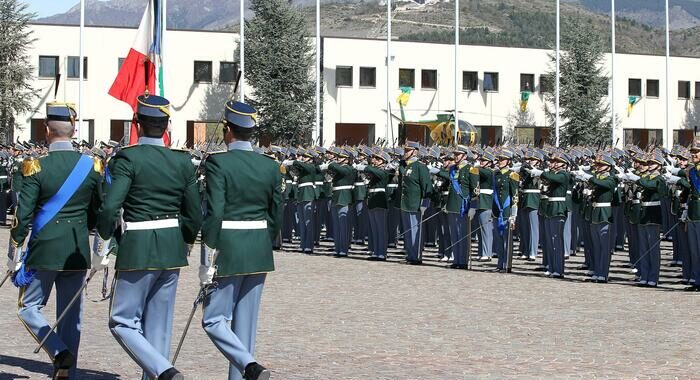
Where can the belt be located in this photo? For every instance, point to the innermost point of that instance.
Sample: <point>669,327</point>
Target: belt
<point>446,192</point>
<point>244,224</point>
<point>392,185</point>
<point>568,192</point>
<point>544,197</point>
<point>306,184</point>
<point>151,225</point>
<point>651,204</point>
<point>599,205</point>
<point>531,191</point>
<point>3,176</point>
<point>294,183</point>
<point>347,187</point>
<point>377,190</point>
<point>288,181</point>
<point>360,184</point>
<point>486,191</point>
<point>318,183</point>
<point>557,199</point>
<point>635,201</point>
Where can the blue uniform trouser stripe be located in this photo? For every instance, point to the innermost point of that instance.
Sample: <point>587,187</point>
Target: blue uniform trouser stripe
<point>230,319</point>
<point>529,232</point>
<point>601,239</point>
<point>35,296</point>
<point>684,250</point>
<point>377,222</point>
<point>543,241</point>
<point>141,318</point>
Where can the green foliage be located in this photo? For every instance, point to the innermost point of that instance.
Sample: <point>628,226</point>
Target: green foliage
<point>16,93</point>
<point>583,86</point>
<point>279,62</point>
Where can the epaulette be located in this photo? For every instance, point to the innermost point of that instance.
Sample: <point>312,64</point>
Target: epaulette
<point>653,176</point>
<point>515,176</point>
<point>283,169</point>
<point>30,166</point>
<point>98,165</point>
<point>474,170</point>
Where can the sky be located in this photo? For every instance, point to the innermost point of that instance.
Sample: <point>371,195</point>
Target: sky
<point>45,8</point>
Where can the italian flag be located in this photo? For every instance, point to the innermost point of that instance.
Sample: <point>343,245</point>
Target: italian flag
<point>143,67</point>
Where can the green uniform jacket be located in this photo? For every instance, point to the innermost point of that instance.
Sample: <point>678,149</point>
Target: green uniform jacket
<point>4,182</point>
<point>359,191</point>
<point>557,202</point>
<point>288,180</point>
<point>152,183</point>
<point>530,197</point>
<point>378,179</point>
<point>653,189</point>
<point>305,182</point>
<point>242,186</point>
<point>507,183</point>
<point>604,186</point>
<point>483,177</point>
<point>344,176</point>
<point>679,193</point>
<point>415,185</point>
<point>17,176</point>
<point>63,243</point>
<point>633,207</point>
<point>392,188</point>
<point>465,182</point>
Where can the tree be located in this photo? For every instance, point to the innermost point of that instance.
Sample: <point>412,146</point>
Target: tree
<point>279,58</point>
<point>16,92</point>
<point>584,116</point>
<point>517,121</point>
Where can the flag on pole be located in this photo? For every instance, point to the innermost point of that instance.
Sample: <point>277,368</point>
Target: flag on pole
<point>142,68</point>
<point>524,97</point>
<point>403,100</point>
<point>631,102</point>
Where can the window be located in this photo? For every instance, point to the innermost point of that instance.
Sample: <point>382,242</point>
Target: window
<point>491,82</point>
<point>634,87</point>
<point>228,71</point>
<point>120,63</point>
<point>202,71</point>
<point>697,90</point>
<point>546,84</point>
<point>407,78</point>
<point>48,66</point>
<point>343,76</point>
<point>652,88</point>
<point>683,89</point>
<point>428,79</point>
<point>368,77</point>
<point>470,81</point>
<point>74,67</point>
<point>527,82</point>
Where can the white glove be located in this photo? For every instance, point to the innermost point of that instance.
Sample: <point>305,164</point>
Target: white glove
<point>673,170</point>
<point>287,162</point>
<point>477,164</point>
<point>535,172</point>
<point>586,167</point>
<point>511,221</point>
<point>516,168</point>
<point>633,177</point>
<point>100,253</point>
<point>671,160</point>
<point>323,166</point>
<point>471,213</point>
<point>206,274</point>
<point>99,262</point>
<point>360,167</point>
<point>585,176</point>
<point>670,178</point>
<point>621,176</point>
<point>684,216</point>
<point>434,170</point>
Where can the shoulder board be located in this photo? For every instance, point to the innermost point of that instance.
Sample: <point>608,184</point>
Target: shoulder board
<point>98,166</point>
<point>474,170</point>
<point>653,176</point>
<point>515,176</point>
<point>30,166</point>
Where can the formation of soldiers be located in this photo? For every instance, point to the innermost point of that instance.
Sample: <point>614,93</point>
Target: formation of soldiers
<point>554,201</point>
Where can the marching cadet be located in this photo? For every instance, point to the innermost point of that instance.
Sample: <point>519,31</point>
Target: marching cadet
<point>157,189</point>
<point>457,206</point>
<point>529,206</point>
<point>343,179</point>
<point>505,205</point>
<point>483,191</point>
<point>58,250</point>
<point>680,190</point>
<point>377,204</point>
<point>243,218</point>
<point>323,193</point>
<point>441,195</point>
<point>392,188</point>
<point>415,186</point>
<point>633,210</point>
<point>359,195</point>
<point>328,193</point>
<point>693,218</point>
<point>306,195</point>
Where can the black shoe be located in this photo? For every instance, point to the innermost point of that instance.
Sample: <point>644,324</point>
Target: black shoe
<point>692,289</point>
<point>376,258</point>
<point>457,266</point>
<point>62,363</point>
<point>171,374</point>
<point>255,371</point>
<point>414,262</point>
<point>582,267</point>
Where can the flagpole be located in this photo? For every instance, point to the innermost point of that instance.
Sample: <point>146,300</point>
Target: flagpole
<point>612,75</point>
<point>456,71</point>
<point>388,68</point>
<point>317,129</point>
<point>81,69</point>
<point>667,142</point>
<point>161,70</point>
<point>242,48</point>
<point>558,76</point>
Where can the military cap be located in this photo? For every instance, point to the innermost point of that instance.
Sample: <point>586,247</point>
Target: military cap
<point>398,151</point>
<point>655,158</point>
<point>560,157</point>
<point>604,159</point>
<point>240,114</point>
<point>695,147</point>
<point>275,149</point>
<point>412,145</point>
<point>61,112</point>
<point>112,144</point>
<point>504,153</point>
<point>320,150</point>
<point>19,147</point>
<point>487,155</point>
<point>683,154</point>
<point>153,106</point>
<point>381,155</point>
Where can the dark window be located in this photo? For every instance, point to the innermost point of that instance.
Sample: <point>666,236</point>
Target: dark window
<point>368,77</point>
<point>634,87</point>
<point>546,84</point>
<point>343,76</point>
<point>228,72</point>
<point>652,88</point>
<point>683,89</point>
<point>697,90</point>
<point>470,80</point>
<point>48,66</point>
<point>120,63</point>
<point>202,71</point>
<point>74,67</point>
<point>527,82</point>
<point>428,79</point>
<point>407,78</point>
<point>491,82</point>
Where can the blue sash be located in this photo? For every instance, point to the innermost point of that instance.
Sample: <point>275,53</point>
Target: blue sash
<point>50,209</point>
<point>501,222</point>
<point>694,179</point>
<point>464,206</point>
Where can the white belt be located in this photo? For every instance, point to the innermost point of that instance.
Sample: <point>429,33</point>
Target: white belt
<point>347,187</point>
<point>544,197</point>
<point>635,201</point>
<point>598,205</point>
<point>378,190</point>
<point>3,176</point>
<point>288,181</point>
<point>152,224</point>
<point>446,192</point>
<point>306,184</point>
<point>294,183</point>
<point>568,192</point>
<point>651,204</point>
<point>557,199</point>
<point>244,224</point>
<point>486,191</point>
<point>391,185</point>
<point>318,183</point>
<point>531,191</point>
<point>360,184</point>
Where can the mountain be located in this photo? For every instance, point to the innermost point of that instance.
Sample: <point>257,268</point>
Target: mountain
<point>489,22</point>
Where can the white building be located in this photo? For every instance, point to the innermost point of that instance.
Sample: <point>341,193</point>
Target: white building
<point>200,67</point>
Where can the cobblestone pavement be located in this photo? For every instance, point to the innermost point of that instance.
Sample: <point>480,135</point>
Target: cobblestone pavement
<point>327,318</point>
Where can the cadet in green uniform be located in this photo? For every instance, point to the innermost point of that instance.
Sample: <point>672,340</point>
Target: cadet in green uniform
<point>693,217</point>
<point>377,204</point>
<point>59,248</point>
<point>555,212</point>
<point>529,206</point>
<point>457,207</point>
<point>505,205</point>
<point>343,179</point>
<point>306,195</point>
<point>158,191</point>
<point>243,218</point>
<point>415,186</point>
<point>483,191</point>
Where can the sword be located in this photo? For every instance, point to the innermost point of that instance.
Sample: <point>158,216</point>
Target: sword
<point>4,279</point>
<point>657,242</point>
<point>509,250</point>
<point>419,224</point>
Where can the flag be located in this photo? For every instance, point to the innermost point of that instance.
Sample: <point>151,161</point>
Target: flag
<point>631,102</point>
<point>405,95</point>
<point>524,97</point>
<point>142,66</point>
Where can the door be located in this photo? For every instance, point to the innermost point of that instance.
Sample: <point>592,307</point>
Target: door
<point>354,134</point>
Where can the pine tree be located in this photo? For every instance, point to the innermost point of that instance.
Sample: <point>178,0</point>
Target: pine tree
<point>16,92</point>
<point>279,59</point>
<point>583,85</point>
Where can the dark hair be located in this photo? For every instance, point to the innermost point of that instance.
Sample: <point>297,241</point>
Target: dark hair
<point>240,133</point>
<point>153,126</point>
